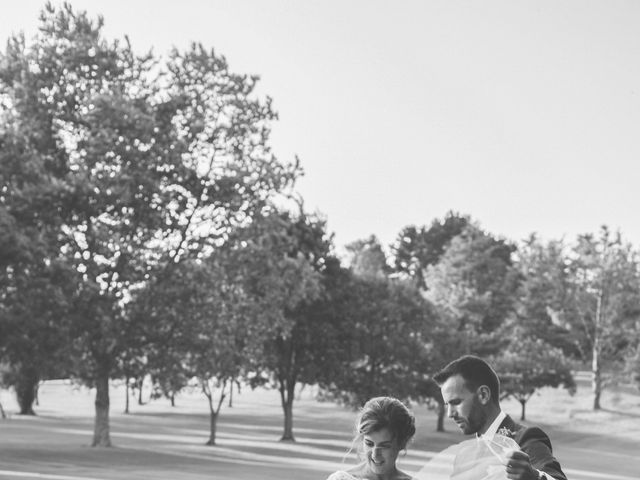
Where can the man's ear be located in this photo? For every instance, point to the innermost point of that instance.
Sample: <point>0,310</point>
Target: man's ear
<point>484,394</point>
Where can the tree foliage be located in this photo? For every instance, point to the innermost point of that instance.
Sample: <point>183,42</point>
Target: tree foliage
<point>385,333</point>
<point>416,248</point>
<point>33,329</point>
<point>544,293</point>
<point>632,361</point>
<point>388,330</point>
<point>367,258</point>
<point>143,164</point>
<point>473,287</point>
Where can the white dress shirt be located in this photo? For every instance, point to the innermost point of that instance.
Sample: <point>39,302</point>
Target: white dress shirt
<point>493,428</point>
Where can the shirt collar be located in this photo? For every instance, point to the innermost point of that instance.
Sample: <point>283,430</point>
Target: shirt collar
<point>493,428</point>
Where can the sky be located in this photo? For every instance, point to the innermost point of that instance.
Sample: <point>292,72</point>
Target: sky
<point>524,115</point>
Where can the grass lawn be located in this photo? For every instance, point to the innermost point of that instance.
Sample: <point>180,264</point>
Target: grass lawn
<point>163,442</point>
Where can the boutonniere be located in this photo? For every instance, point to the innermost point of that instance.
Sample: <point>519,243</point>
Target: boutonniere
<point>505,432</point>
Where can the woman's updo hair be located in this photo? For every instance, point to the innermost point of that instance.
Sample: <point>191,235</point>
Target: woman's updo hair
<point>387,412</point>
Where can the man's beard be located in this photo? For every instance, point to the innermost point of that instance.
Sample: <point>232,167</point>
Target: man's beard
<point>476,419</point>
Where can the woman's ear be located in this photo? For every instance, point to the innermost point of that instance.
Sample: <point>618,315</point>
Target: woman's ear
<point>484,394</point>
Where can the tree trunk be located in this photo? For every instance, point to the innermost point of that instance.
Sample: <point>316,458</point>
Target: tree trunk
<point>25,388</point>
<point>101,437</point>
<point>595,356</point>
<point>213,422</point>
<point>213,419</point>
<point>440,420</point>
<point>231,395</point>
<point>140,384</point>
<point>288,422</point>
<point>2,412</point>
<point>173,399</point>
<point>287,391</point>
<point>36,396</point>
<point>522,414</point>
<point>596,382</point>
<point>126,395</point>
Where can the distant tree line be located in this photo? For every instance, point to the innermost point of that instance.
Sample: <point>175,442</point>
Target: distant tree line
<point>147,231</point>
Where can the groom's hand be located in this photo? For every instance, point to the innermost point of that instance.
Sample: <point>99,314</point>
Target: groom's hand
<point>519,466</point>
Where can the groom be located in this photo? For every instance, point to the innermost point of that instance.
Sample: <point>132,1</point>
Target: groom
<point>471,391</point>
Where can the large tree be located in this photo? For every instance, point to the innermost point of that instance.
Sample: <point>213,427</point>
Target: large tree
<point>286,260</point>
<point>385,332</point>
<point>35,286</point>
<point>605,302</point>
<point>148,164</point>
<point>202,321</point>
<point>529,364</point>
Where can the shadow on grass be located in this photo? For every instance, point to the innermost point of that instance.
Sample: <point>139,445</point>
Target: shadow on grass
<point>620,413</point>
<point>590,412</point>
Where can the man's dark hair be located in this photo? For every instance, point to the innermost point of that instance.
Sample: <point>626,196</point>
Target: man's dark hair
<point>475,373</point>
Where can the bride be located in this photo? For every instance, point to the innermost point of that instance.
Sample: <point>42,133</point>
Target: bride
<point>383,428</point>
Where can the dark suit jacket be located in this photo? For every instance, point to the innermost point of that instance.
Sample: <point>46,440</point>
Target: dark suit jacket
<point>535,443</point>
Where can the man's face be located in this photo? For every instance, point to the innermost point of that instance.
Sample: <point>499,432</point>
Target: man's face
<point>463,405</point>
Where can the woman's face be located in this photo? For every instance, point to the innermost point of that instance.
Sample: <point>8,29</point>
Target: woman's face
<point>381,451</point>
